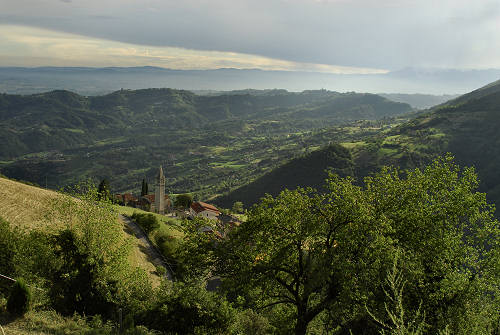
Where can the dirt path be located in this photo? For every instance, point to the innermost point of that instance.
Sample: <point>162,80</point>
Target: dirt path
<point>155,255</point>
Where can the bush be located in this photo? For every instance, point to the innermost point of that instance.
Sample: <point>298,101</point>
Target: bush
<point>183,309</point>
<point>251,323</point>
<point>183,200</point>
<point>19,299</point>
<point>167,245</point>
<point>79,285</point>
<point>148,222</point>
<point>8,246</point>
<point>237,207</point>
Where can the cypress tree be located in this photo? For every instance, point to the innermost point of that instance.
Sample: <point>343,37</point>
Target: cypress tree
<point>144,188</point>
<point>103,191</point>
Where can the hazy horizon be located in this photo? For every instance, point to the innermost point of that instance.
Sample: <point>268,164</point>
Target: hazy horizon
<point>326,36</point>
<point>401,46</point>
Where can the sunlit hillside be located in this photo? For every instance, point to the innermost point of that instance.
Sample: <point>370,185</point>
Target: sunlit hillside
<point>29,207</point>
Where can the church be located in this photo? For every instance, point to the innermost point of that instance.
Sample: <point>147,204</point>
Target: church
<point>159,202</point>
<point>160,193</point>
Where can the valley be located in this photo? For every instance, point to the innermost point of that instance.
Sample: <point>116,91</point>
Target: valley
<point>208,145</point>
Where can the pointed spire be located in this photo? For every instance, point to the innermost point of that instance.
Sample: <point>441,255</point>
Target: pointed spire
<point>160,172</point>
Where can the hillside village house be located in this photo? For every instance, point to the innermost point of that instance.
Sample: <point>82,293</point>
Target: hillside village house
<point>126,199</point>
<point>204,210</point>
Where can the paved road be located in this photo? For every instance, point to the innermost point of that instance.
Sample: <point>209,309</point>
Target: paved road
<point>152,251</point>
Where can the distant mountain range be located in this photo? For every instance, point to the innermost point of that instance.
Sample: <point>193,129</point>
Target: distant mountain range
<point>97,81</point>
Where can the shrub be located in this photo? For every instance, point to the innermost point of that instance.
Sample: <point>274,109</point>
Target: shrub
<point>250,322</point>
<point>148,222</point>
<point>167,245</point>
<point>8,247</point>
<point>19,299</point>
<point>183,309</point>
<point>79,285</point>
<point>183,200</point>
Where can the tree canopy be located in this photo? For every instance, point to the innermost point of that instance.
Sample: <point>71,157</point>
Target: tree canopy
<point>183,200</point>
<point>324,257</point>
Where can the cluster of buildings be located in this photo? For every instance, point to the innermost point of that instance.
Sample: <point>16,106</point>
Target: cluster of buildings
<point>160,203</point>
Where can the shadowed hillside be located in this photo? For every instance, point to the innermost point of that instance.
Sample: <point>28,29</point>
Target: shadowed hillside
<point>308,170</point>
<point>466,126</point>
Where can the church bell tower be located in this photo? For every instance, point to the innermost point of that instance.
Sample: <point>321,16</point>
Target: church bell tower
<point>160,192</point>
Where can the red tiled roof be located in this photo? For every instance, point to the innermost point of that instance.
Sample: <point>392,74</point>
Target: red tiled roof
<point>152,197</point>
<point>199,207</point>
<point>128,197</point>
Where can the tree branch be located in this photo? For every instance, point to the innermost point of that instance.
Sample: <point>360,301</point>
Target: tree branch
<point>287,301</point>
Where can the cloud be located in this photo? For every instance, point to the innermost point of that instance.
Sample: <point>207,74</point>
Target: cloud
<point>28,46</point>
<point>352,33</point>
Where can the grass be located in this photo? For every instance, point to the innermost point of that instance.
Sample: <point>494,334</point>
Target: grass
<point>128,211</point>
<point>388,151</point>
<point>29,207</point>
<point>171,228</point>
<point>49,322</point>
<point>44,323</point>
<point>76,131</point>
<point>351,145</point>
<point>168,226</point>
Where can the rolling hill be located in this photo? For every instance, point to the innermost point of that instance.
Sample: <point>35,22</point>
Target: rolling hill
<point>208,144</point>
<point>308,170</point>
<point>466,126</point>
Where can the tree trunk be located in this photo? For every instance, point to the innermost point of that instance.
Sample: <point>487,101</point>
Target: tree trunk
<point>301,327</point>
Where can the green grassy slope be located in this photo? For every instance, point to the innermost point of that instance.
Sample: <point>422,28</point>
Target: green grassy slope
<point>29,207</point>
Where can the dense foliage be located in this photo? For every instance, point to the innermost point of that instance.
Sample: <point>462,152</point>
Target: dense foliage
<point>8,246</point>
<point>323,257</point>
<point>147,221</point>
<point>207,144</point>
<point>188,309</point>
<point>183,200</point>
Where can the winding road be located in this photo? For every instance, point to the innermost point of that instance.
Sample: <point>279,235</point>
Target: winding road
<point>152,251</point>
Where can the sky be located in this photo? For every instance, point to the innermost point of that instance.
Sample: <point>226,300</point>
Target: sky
<point>332,36</point>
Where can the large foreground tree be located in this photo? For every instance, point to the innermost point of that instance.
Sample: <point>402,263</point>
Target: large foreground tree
<point>328,253</point>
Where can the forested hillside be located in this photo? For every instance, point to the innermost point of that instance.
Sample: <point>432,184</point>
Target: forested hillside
<point>208,144</point>
<point>466,126</point>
